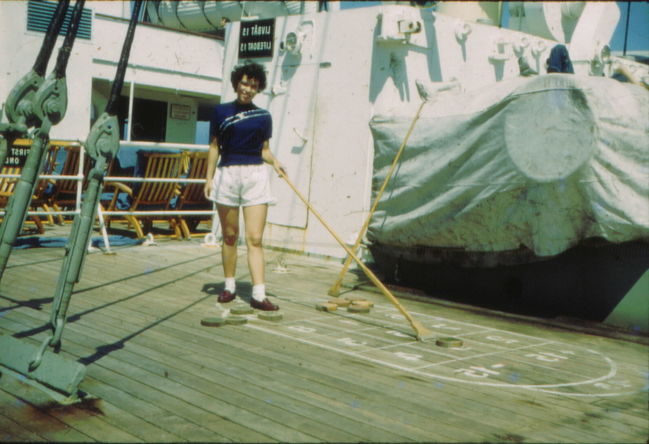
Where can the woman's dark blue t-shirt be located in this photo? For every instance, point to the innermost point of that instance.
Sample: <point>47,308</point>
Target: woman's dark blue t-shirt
<point>241,131</point>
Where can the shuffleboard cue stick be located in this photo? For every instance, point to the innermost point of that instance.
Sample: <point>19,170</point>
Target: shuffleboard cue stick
<point>422,332</point>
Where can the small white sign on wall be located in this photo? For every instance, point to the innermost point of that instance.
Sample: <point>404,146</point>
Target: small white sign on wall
<point>180,112</point>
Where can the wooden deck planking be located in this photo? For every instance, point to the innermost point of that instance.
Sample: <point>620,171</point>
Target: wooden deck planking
<point>88,420</point>
<point>442,404</point>
<point>195,318</point>
<point>242,384</point>
<point>85,419</point>
<point>238,432</point>
<point>11,431</point>
<point>181,338</point>
<point>118,374</point>
<point>587,365</point>
<point>339,437</point>
<point>200,356</point>
<point>332,392</point>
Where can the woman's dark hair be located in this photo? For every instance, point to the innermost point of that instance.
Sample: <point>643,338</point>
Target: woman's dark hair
<point>252,70</point>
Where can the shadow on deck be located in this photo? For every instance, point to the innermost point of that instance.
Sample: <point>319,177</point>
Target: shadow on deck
<point>159,375</point>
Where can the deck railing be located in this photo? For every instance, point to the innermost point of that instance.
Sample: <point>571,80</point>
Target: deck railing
<point>124,145</point>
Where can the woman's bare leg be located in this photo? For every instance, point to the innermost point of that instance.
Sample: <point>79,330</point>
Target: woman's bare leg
<point>255,220</point>
<point>229,217</point>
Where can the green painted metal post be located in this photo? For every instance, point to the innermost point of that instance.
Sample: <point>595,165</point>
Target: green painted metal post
<point>76,248</point>
<point>102,146</point>
<point>44,366</point>
<point>47,105</point>
<point>16,210</point>
<point>103,143</point>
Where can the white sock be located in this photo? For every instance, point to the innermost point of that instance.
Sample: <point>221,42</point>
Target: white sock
<point>230,285</point>
<point>259,292</point>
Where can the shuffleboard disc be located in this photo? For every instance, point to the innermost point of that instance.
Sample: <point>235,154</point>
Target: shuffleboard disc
<point>355,298</point>
<point>242,310</point>
<point>362,303</point>
<point>212,322</point>
<point>270,316</point>
<point>326,306</point>
<point>358,308</point>
<point>340,302</point>
<point>235,320</point>
<point>449,342</point>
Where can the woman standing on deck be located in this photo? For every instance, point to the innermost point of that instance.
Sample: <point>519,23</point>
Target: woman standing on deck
<point>239,133</point>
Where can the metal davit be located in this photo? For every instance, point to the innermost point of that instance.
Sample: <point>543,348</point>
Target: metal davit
<point>45,368</point>
<point>19,105</point>
<point>41,107</point>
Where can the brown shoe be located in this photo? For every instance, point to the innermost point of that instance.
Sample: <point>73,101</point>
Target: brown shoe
<point>226,296</point>
<point>265,305</point>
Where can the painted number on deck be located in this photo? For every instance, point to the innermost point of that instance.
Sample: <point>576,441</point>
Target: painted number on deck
<point>351,342</point>
<point>547,356</point>
<point>408,356</point>
<point>443,326</point>
<point>302,328</point>
<point>479,372</point>
<point>501,339</point>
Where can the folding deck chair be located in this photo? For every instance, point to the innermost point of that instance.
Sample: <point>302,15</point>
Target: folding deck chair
<point>65,190</point>
<point>192,197</point>
<point>152,196</point>
<point>40,197</point>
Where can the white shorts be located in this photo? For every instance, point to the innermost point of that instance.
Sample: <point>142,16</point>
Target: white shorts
<point>242,185</point>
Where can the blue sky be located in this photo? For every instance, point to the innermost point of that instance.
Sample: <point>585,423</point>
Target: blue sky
<point>638,38</point>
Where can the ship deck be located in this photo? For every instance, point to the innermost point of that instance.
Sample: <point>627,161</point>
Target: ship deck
<point>154,373</point>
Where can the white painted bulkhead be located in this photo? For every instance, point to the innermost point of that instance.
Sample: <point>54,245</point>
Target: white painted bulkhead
<point>353,65</point>
<point>18,50</point>
<point>320,103</point>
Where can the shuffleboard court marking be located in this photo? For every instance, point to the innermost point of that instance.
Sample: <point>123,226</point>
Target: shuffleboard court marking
<point>481,355</point>
<point>494,338</point>
<point>463,349</point>
<point>411,356</point>
<point>540,387</point>
<point>364,332</point>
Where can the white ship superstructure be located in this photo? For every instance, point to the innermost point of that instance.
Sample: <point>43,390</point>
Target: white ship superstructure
<point>167,68</point>
<point>330,71</point>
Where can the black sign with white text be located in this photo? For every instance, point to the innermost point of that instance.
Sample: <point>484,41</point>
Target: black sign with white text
<point>16,156</point>
<point>256,39</point>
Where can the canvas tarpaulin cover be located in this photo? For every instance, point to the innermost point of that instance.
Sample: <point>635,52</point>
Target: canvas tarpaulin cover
<point>540,163</point>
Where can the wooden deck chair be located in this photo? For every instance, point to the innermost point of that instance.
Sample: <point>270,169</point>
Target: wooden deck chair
<point>65,191</point>
<point>192,197</point>
<point>154,196</point>
<point>43,189</point>
<point>39,199</point>
<point>7,186</point>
